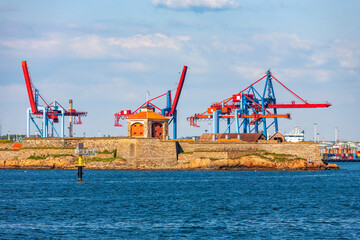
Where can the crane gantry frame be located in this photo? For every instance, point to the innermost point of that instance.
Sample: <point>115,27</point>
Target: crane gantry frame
<point>50,113</point>
<point>169,111</point>
<point>250,109</point>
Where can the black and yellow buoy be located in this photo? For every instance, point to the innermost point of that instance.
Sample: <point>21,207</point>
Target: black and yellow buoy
<point>81,163</point>
<point>80,166</point>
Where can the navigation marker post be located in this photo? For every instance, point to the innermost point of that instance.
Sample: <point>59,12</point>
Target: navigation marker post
<point>81,151</point>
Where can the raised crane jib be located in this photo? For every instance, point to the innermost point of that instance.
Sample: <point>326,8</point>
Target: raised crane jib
<point>29,87</point>
<point>178,92</point>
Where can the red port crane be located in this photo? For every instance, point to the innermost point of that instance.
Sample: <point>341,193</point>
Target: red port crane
<point>169,111</point>
<point>252,108</point>
<point>49,113</point>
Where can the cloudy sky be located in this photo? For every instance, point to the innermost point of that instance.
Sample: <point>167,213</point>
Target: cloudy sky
<point>106,54</point>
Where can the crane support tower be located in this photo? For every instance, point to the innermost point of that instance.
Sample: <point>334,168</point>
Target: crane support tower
<point>49,113</point>
<point>169,111</point>
<point>252,109</point>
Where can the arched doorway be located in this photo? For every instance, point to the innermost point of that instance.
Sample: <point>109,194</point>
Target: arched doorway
<point>157,130</point>
<point>137,130</point>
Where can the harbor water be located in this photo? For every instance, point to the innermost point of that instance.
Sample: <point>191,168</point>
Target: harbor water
<point>51,204</point>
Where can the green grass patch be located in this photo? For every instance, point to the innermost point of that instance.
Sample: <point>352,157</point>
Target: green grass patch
<point>107,152</point>
<point>278,155</point>
<point>38,157</point>
<point>226,150</point>
<point>258,155</point>
<point>214,159</point>
<point>48,148</point>
<point>102,159</point>
<point>61,155</point>
<point>43,156</point>
<point>211,151</point>
<point>187,152</point>
<point>94,138</point>
<point>280,159</point>
<point>13,150</point>
<point>6,141</point>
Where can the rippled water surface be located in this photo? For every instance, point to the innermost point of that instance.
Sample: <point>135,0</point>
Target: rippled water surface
<point>180,204</point>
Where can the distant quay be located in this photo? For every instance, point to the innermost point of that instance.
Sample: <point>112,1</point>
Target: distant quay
<point>125,153</point>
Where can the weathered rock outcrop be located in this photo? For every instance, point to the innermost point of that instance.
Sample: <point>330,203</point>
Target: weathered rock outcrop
<point>257,163</point>
<point>244,163</point>
<point>50,163</point>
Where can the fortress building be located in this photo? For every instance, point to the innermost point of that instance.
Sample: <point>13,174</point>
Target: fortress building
<point>147,124</point>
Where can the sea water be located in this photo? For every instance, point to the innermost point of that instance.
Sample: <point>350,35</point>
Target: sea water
<point>51,204</point>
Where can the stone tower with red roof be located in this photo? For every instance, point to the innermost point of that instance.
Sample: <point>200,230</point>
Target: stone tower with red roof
<point>147,124</point>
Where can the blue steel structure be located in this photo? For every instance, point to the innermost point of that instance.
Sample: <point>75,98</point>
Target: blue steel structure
<point>49,114</point>
<point>250,109</point>
<point>169,111</point>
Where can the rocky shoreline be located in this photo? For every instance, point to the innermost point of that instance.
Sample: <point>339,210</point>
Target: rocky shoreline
<point>155,154</point>
<point>251,162</point>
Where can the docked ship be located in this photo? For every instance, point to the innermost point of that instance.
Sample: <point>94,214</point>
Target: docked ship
<point>295,135</point>
<point>340,152</point>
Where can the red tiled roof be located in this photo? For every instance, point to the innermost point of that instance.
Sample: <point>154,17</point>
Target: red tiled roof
<point>277,135</point>
<point>148,115</point>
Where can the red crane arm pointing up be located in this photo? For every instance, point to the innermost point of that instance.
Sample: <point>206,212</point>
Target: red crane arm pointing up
<point>29,87</point>
<point>178,92</point>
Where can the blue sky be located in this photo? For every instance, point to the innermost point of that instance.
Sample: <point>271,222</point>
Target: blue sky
<point>106,54</point>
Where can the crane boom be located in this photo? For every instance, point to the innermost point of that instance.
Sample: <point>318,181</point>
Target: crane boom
<point>29,87</point>
<point>299,105</point>
<point>178,91</point>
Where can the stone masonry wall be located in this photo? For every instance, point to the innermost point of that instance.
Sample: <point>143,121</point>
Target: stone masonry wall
<point>100,144</point>
<point>148,152</point>
<point>216,146</point>
<point>136,151</point>
<point>6,145</point>
<point>26,153</point>
<point>155,152</point>
<point>5,155</point>
<point>301,150</point>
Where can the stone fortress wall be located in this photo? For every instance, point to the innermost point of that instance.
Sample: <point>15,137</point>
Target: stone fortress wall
<point>161,152</point>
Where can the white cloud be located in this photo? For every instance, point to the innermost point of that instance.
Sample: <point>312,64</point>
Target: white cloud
<point>88,46</point>
<point>93,46</point>
<point>32,44</point>
<point>150,40</point>
<point>232,45</point>
<point>197,4</point>
<point>131,66</point>
<point>251,73</point>
<point>280,41</point>
<point>11,93</point>
<point>291,74</point>
<point>305,75</point>
<point>347,53</point>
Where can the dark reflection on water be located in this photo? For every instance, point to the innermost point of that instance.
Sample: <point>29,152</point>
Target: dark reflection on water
<point>181,204</point>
